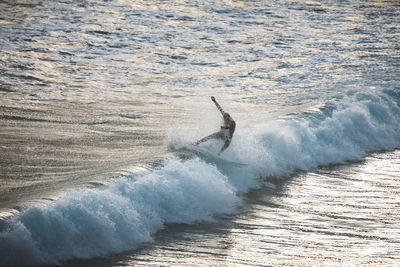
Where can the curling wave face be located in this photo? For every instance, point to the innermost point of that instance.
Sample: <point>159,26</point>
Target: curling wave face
<point>124,214</point>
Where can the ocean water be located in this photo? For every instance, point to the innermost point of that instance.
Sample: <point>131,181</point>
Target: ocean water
<point>99,100</point>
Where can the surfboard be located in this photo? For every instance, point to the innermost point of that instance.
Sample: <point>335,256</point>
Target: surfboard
<point>212,156</point>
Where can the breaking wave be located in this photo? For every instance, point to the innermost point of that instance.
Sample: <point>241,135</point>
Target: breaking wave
<point>127,212</point>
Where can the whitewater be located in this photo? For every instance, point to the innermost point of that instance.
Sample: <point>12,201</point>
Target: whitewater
<point>96,119</point>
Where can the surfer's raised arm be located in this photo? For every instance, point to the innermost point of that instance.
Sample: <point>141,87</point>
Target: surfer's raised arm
<point>218,106</point>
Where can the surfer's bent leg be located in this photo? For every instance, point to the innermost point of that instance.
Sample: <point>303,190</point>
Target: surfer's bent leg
<point>226,144</point>
<point>216,135</point>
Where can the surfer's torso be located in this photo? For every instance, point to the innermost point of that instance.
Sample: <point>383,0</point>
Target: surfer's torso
<point>228,128</point>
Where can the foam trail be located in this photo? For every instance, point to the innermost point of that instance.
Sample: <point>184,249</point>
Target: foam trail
<point>125,214</point>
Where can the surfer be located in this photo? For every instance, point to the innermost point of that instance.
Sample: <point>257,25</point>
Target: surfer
<point>226,131</point>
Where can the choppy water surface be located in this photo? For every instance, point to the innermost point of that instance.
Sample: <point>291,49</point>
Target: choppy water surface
<point>99,98</point>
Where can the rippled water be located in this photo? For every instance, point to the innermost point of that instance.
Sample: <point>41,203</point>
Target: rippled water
<point>92,91</point>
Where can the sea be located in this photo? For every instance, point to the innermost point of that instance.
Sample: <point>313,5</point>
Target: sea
<point>100,101</point>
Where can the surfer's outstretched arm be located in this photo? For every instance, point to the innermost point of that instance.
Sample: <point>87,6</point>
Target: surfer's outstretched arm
<point>218,106</point>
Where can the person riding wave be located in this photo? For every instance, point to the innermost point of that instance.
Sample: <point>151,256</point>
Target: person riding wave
<point>226,132</point>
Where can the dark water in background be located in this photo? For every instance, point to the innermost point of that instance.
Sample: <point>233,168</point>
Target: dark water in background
<point>107,92</point>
